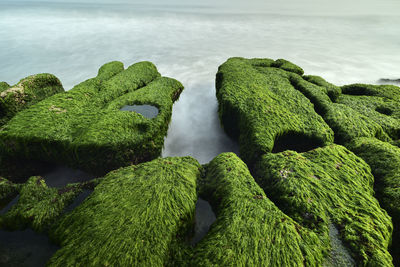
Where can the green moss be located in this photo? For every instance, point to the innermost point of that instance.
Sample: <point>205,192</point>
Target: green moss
<point>132,218</point>
<point>85,128</point>
<point>7,191</point>
<point>28,91</point>
<point>384,160</point>
<point>387,91</point>
<point>332,90</point>
<point>288,66</point>
<point>4,86</point>
<point>380,110</point>
<point>38,205</point>
<point>258,105</point>
<point>348,124</point>
<point>250,230</point>
<point>330,184</point>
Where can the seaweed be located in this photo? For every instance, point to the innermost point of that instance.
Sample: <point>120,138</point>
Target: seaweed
<point>136,216</point>
<point>384,160</point>
<point>84,127</point>
<point>38,206</point>
<point>330,184</point>
<point>250,230</point>
<point>258,104</point>
<point>25,93</point>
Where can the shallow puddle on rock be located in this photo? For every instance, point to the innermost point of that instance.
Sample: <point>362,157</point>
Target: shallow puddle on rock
<point>60,176</point>
<point>25,248</point>
<point>205,217</point>
<point>78,200</point>
<point>9,205</point>
<point>340,255</point>
<point>147,111</point>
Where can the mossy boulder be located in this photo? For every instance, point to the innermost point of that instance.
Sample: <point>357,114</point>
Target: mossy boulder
<point>28,91</point>
<point>330,185</point>
<point>133,217</point>
<point>259,105</point>
<point>84,127</point>
<point>250,230</point>
<point>384,160</point>
<point>38,205</point>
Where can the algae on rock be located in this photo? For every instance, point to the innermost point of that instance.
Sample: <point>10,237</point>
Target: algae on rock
<point>38,205</point>
<point>133,217</point>
<point>258,105</point>
<point>27,92</point>
<point>250,230</point>
<point>84,127</point>
<point>330,184</point>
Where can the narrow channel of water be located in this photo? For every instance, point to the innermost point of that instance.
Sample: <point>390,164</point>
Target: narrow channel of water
<point>205,217</point>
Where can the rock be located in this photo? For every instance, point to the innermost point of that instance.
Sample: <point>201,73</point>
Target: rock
<point>250,230</point>
<point>134,217</point>
<point>384,160</point>
<point>258,105</point>
<point>38,206</point>
<point>389,81</point>
<point>330,185</point>
<point>84,127</point>
<point>27,92</point>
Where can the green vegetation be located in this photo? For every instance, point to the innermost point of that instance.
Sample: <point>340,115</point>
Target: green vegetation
<point>384,160</point>
<point>250,230</point>
<point>38,205</point>
<point>7,191</point>
<point>259,105</point>
<point>379,110</point>
<point>332,90</point>
<point>330,185</point>
<point>134,217</point>
<point>84,127</point>
<point>28,91</point>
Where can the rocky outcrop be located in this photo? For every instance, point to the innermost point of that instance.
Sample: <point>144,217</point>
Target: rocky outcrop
<point>84,127</point>
<point>258,105</point>
<point>250,230</point>
<point>353,113</point>
<point>136,216</point>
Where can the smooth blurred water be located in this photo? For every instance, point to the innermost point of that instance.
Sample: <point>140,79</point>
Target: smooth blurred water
<point>189,43</point>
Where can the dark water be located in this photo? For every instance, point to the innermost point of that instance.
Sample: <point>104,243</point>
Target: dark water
<point>147,111</point>
<point>60,176</point>
<point>205,217</point>
<point>9,205</point>
<point>78,200</point>
<point>25,248</point>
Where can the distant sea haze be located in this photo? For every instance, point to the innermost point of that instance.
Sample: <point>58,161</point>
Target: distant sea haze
<point>189,42</point>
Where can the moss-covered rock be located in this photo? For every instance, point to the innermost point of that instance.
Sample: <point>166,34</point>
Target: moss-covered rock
<point>259,105</point>
<point>382,111</point>
<point>7,191</point>
<point>384,160</point>
<point>38,205</point>
<point>250,230</point>
<point>84,127</point>
<point>332,90</point>
<point>330,185</point>
<point>28,91</point>
<point>132,218</point>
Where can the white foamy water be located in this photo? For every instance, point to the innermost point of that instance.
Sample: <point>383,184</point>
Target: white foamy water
<point>189,43</point>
